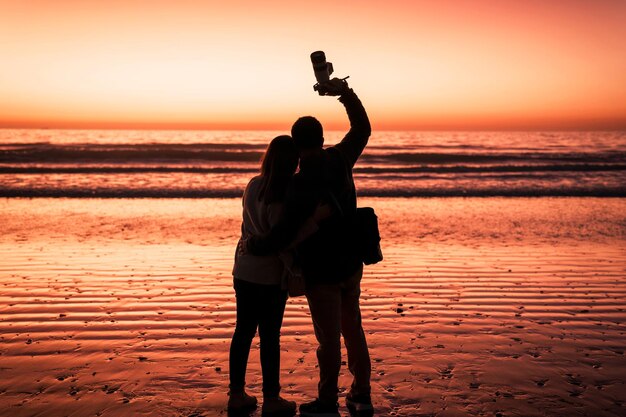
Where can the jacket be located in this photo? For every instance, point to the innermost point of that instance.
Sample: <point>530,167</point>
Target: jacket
<point>258,219</point>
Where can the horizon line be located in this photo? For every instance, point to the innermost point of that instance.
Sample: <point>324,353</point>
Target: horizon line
<point>337,129</point>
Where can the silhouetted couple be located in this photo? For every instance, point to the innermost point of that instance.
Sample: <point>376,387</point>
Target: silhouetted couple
<point>300,221</point>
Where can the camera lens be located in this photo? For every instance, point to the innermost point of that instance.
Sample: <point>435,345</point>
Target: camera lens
<point>320,66</point>
<point>318,57</point>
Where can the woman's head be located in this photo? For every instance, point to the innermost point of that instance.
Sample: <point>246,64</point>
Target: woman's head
<point>278,166</point>
<point>281,157</point>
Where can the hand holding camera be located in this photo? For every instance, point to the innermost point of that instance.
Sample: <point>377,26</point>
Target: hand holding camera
<point>322,69</point>
<point>334,87</point>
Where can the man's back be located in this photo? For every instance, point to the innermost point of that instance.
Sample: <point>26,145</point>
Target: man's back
<point>328,255</point>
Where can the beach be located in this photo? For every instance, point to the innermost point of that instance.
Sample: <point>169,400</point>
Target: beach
<point>488,136</point>
<point>485,306</point>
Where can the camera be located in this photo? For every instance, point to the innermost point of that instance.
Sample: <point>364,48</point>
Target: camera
<point>322,70</point>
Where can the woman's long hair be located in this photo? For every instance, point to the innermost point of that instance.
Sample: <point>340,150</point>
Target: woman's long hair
<point>277,168</point>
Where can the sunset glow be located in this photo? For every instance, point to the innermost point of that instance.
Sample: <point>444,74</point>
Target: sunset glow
<point>245,64</point>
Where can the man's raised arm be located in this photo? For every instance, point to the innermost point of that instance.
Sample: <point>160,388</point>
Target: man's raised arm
<point>356,139</point>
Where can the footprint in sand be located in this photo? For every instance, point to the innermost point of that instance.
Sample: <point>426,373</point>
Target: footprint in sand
<point>574,380</point>
<point>575,393</point>
<point>446,373</point>
<point>109,390</point>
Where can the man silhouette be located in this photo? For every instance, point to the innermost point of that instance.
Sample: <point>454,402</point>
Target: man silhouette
<point>329,261</point>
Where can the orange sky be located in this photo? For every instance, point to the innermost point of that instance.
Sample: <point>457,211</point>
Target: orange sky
<point>452,64</point>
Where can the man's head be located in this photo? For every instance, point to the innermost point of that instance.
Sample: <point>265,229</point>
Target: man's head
<point>307,133</point>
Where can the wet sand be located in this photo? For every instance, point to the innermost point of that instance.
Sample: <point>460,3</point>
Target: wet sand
<point>482,307</point>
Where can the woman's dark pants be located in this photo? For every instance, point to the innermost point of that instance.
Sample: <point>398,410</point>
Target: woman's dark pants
<point>261,306</point>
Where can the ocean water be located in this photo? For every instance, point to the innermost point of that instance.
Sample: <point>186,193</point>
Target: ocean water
<point>196,164</point>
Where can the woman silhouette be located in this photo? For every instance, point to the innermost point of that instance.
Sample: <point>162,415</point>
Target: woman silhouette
<point>257,282</point>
